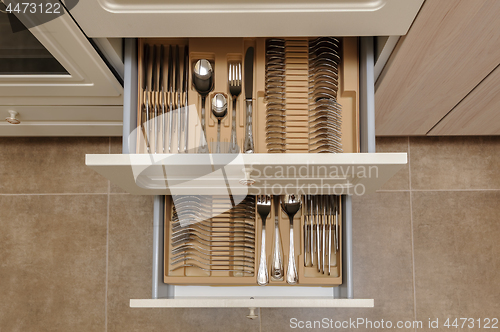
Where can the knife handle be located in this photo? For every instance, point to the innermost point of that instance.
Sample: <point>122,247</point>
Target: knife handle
<point>248,145</point>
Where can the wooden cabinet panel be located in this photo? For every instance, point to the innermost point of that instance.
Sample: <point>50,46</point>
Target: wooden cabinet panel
<point>477,114</point>
<point>450,48</point>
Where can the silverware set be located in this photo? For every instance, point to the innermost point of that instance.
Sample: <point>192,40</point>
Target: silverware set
<point>234,81</point>
<point>321,231</point>
<point>203,82</point>
<point>209,235</point>
<point>290,204</point>
<point>325,113</point>
<point>164,116</point>
<point>275,96</point>
<point>225,242</point>
<point>288,82</point>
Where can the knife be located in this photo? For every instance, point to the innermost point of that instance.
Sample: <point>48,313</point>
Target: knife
<point>154,97</point>
<point>145,124</point>
<point>178,96</point>
<point>162,95</point>
<point>170,97</point>
<point>185,88</point>
<point>248,144</point>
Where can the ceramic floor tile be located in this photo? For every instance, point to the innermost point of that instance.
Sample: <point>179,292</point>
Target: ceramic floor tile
<point>456,265</point>
<point>382,266</point>
<point>50,165</point>
<point>130,256</point>
<point>53,265</point>
<point>400,181</point>
<point>455,163</point>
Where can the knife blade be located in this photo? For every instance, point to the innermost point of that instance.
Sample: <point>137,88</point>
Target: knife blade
<point>162,95</point>
<point>145,124</point>
<point>185,88</point>
<point>178,96</point>
<point>154,82</point>
<point>170,97</point>
<point>249,57</point>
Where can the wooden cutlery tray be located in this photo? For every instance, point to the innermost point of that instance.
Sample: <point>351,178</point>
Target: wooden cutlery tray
<point>307,276</point>
<point>221,51</point>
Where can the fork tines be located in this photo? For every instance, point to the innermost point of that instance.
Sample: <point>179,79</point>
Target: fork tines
<point>203,238</point>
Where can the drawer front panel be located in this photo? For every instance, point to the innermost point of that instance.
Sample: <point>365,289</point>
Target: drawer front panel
<point>155,18</point>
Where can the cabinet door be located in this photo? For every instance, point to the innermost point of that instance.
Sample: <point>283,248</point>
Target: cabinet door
<point>54,64</point>
<point>244,18</point>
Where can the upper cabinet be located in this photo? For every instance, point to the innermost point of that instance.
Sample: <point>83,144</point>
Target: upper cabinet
<point>55,82</point>
<point>52,63</point>
<point>244,18</point>
<point>441,78</point>
<point>477,114</point>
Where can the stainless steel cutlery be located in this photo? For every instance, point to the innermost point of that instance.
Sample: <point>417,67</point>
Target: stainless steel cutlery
<point>325,113</point>
<point>291,205</point>
<point>219,110</point>
<point>321,231</point>
<point>249,59</point>
<point>164,98</point>
<point>210,236</point>
<point>263,209</point>
<point>275,95</point>
<point>224,242</point>
<point>235,90</point>
<point>277,262</point>
<point>203,81</point>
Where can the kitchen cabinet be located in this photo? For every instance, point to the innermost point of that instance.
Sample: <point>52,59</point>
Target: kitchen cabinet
<point>476,114</point>
<point>440,78</point>
<point>165,174</point>
<point>145,174</point>
<point>243,18</point>
<point>56,81</point>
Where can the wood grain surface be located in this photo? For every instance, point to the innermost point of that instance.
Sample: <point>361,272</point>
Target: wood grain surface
<point>451,47</point>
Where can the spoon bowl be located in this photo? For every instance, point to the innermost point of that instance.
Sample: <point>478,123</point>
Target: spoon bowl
<point>219,106</point>
<point>219,110</point>
<point>290,204</point>
<point>203,77</point>
<point>203,81</point>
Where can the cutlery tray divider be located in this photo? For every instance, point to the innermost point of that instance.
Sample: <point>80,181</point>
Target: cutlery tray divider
<point>221,51</point>
<point>308,276</point>
<point>193,275</point>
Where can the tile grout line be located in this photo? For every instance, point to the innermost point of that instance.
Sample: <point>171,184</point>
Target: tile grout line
<point>412,240</point>
<point>393,191</point>
<point>260,319</point>
<point>107,254</point>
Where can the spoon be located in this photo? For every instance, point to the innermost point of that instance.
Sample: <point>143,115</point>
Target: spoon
<point>219,110</point>
<point>203,81</point>
<point>291,205</point>
<point>277,263</point>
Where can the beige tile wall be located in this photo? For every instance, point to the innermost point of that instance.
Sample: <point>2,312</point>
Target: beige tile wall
<point>74,248</point>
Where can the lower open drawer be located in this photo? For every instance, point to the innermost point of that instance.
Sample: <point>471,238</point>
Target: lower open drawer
<point>225,247</point>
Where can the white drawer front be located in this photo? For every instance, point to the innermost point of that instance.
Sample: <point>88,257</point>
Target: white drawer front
<point>243,18</point>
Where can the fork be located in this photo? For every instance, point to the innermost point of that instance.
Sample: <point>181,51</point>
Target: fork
<point>235,90</point>
<point>263,209</point>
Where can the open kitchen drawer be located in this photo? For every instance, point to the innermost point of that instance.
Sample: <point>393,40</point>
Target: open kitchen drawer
<point>342,174</point>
